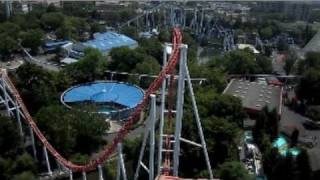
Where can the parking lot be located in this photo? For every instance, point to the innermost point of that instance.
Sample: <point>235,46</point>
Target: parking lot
<point>43,61</point>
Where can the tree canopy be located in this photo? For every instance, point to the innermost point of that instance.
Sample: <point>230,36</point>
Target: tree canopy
<point>233,170</point>
<point>73,130</point>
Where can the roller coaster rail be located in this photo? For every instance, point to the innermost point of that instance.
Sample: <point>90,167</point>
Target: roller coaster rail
<point>16,108</point>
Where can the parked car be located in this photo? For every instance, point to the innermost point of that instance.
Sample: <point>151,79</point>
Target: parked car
<point>310,125</point>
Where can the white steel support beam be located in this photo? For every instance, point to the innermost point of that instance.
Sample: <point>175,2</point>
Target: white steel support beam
<point>149,130</point>
<point>18,118</point>
<point>190,142</point>
<point>47,160</point>
<point>152,136</point>
<point>9,99</point>
<point>34,150</point>
<point>162,111</point>
<point>199,126</point>
<point>143,146</point>
<point>121,164</point>
<point>100,172</point>
<point>84,175</point>
<point>179,108</point>
<point>5,94</point>
<point>70,175</point>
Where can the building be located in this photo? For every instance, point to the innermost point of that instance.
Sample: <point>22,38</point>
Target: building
<point>52,46</point>
<point>255,96</point>
<point>251,47</point>
<point>104,42</point>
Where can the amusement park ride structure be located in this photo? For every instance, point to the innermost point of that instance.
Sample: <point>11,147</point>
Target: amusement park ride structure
<point>169,141</point>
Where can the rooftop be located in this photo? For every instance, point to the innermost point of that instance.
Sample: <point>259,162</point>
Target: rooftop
<point>108,40</point>
<point>254,95</point>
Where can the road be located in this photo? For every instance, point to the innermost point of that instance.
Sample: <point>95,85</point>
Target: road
<point>290,118</point>
<point>41,60</point>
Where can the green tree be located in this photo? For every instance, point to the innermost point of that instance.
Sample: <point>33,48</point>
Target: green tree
<point>72,130</point>
<point>266,125</point>
<point>95,27</point>
<point>303,164</point>
<point>148,66</point>
<point>130,32</point>
<point>223,137</point>
<point>24,163</point>
<point>233,171</point>
<point>264,64</point>
<point>309,86</point>
<point>52,8</point>
<point>10,29</point>
<point>24,176</point>
<point>240,62</point>
<point>290,61</point>
<point>52,20</point>
<point>125,59</point>
<point>88,68</point>
<point>312,61</point>
<point>32,39</point>
<point>164,35</point>
<point>7,46</point>
<point>152,47</point>
<point>37,86</point>
<point>266,33</point>
<point>10,140</point>
<point>228,107</point>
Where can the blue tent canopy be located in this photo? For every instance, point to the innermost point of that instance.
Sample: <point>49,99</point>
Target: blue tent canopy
<point>103,92</point>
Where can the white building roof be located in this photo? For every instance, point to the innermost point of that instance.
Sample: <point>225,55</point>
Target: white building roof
<point>243,46</point>
<point>69,60</point>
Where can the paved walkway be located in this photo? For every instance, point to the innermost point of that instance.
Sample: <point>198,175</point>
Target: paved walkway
<point>291,119</point>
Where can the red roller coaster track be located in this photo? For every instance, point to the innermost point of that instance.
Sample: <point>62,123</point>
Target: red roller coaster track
<point>110,148</point>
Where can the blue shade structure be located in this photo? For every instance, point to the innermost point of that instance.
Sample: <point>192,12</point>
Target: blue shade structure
<point>117,100</point>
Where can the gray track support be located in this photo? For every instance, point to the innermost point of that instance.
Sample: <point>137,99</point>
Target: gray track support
<point>180,102</point>
<point>121,166</point>
<point>199,126</point>
<point>5,94</point>
<point>19,119</point>
<point>152,136</point>
<point>150,128</point>
<point>84,175</point>
<point>163,91</point>
<point>34,150</point>
<point>70,175</point>
<point>100,172</point>
<point>47,160</point>
<point>143,146</point>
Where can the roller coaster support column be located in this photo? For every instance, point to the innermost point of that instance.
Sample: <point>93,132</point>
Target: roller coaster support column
<point>199,126</point>
<point>150,129</point>
<point>33,143</point>
<point>5,94</point>
<point>84,175</point>
<point>179,108</point>
<point>70,175</point>
<point>100,172</point>
<point>47,160</point>
<point>121,168</point>
<point>18,118</point>
<point>163,91</point>
<point>152,137</point>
